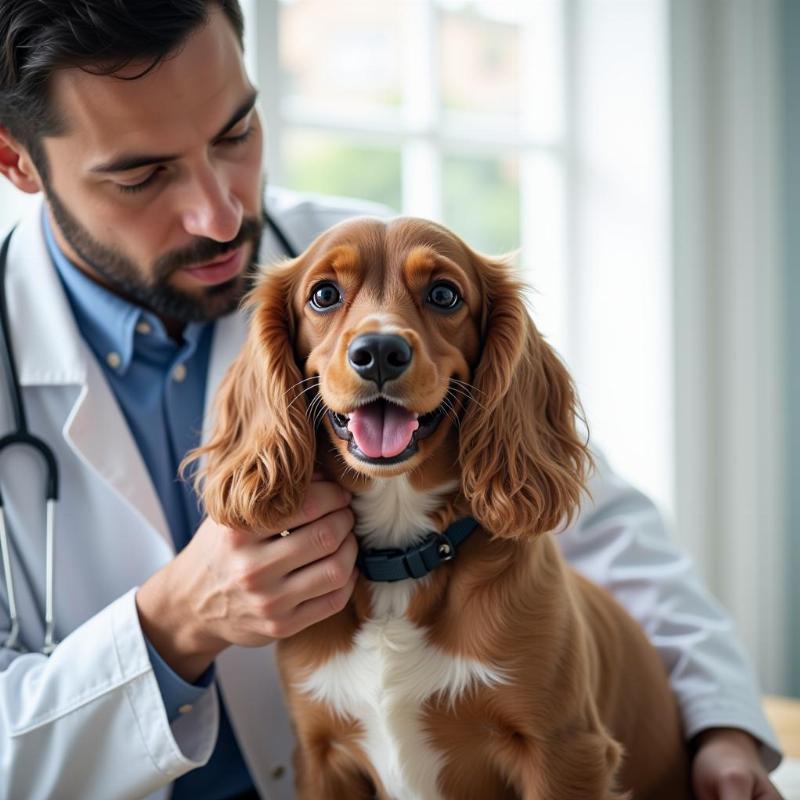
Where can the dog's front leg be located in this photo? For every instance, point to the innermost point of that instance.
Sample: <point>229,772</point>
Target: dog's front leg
<point>584,764</point>
<point>578,764</point>
<point>327,771</point>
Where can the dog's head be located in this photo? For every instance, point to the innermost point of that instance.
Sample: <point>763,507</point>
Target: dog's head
<point>389,348</point>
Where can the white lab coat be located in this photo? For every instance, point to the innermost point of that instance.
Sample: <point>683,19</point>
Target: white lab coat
<point>89,721</point>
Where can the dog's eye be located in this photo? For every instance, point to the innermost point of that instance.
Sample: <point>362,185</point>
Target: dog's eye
<point>444,296</point>
<point>325,295</point>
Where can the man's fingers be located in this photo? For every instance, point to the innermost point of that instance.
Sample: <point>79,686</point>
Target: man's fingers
<point>766,790</point>
<point>312,542</point>
<point>735,784</point>
<point>322,498</point>
<point>323,576</point>
<point>317,609</point>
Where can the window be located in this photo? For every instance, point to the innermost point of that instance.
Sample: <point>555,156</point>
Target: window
<point>421,105</point>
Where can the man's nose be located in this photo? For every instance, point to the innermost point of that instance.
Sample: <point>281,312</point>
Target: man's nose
<point>379,357</point>
<point>211,209</point>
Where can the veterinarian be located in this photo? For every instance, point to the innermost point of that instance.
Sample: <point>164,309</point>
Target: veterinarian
<point>136,123</point>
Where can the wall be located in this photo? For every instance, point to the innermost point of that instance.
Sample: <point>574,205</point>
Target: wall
<point>730,332</point>
<point>790,63</point>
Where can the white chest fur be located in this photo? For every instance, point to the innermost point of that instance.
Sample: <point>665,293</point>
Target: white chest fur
<point>392,670</point>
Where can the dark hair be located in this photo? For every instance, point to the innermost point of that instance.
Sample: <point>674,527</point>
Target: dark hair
<point>38,37</point>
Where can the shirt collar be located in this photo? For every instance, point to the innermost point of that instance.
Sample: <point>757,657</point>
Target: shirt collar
<point>108,322</point>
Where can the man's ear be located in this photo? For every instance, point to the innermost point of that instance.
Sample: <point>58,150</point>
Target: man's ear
<point>17,165</point>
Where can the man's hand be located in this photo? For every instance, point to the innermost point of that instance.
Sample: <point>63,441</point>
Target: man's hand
<point>727,766</point>
<point>235,587</point>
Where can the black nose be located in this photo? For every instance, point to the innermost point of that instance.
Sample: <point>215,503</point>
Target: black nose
<point>379,357</point>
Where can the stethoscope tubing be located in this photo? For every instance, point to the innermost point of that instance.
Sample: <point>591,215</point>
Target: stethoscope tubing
<point>21,436</point>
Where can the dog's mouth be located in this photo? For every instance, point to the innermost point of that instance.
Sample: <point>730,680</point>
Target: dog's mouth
<point>384,432</point>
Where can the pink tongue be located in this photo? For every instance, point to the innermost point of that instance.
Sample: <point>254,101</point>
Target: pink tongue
<point>382,430</point>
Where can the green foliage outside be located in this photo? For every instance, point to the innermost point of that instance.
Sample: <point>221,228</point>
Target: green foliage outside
<point>480,195</point>
<point>480,198</point>
<point>319,163</point>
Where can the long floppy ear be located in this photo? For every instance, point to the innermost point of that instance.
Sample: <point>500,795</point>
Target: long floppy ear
<point>523,463</point>
<point>258,462</point>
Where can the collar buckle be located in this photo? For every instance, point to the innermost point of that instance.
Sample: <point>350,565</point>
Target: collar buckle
<point>418,561</point>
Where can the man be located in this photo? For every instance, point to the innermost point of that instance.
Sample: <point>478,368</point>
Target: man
<point>136,121</point>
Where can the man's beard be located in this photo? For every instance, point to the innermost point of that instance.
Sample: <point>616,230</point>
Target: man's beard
<point>125,279</point>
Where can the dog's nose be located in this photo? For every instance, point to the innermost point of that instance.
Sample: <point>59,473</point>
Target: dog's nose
<point>379,357</point>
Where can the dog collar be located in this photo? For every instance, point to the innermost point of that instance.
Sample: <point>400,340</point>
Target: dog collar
<point>394,564</point>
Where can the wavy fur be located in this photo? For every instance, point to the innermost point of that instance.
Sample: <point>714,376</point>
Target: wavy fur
<point>523,464</point>
<point>257,465</point>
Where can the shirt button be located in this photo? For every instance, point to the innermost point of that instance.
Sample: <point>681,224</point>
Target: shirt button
<point>144,328</point>
<point>113,360</point>
<point>278,772</point>
<point>186,708</point>
<point>179,373</point>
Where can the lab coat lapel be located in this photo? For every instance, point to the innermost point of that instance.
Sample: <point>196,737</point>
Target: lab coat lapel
<point>51,352</point>
<point>97,430</point>
<point>229,335</point>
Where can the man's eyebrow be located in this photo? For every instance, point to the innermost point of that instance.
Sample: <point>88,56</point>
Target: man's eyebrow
<point>130,161</point>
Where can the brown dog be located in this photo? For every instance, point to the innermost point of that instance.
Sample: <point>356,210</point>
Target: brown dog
<point>501,673</point>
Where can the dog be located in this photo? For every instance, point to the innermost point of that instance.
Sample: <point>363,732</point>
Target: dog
<point>404,364</point>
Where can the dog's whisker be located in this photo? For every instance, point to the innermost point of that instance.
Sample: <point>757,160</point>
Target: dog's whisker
<point>465,388</point>
<point>470,386</point>
<point>347,467</point>
<point>312,408</point>
<point>300,394</point>
<point>451,412</point>
<point>302,381</point>
<point>457,390</point>
<point>320,411</point>
<point>303,391</point>
<point>319,415</point>
<point>314,400</point>
<point>463,393</point>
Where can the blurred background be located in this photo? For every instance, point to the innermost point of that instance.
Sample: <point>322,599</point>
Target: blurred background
<point>642,160</point>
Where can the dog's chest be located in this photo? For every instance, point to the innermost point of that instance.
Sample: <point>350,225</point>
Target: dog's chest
<point>384,682</point>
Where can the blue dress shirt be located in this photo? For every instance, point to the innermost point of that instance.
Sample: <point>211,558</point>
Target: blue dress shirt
<point>160,386</point>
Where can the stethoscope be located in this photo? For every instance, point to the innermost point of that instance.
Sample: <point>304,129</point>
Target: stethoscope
<point>21,436</point>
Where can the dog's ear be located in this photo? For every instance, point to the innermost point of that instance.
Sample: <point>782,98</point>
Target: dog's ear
<point>257,465</point>
<point>523,463</point>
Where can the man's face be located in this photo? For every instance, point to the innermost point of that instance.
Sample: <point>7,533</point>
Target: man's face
<point>155,189</point>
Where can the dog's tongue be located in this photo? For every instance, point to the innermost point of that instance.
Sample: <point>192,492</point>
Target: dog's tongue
<point>381,429</point>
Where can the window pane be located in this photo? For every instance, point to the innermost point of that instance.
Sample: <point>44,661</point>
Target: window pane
<point>341,56</point>
<point>480,70</point>
<point>480,198</point>
<point>544,254</point>
<point>501,64</point>
<point>328,164</point>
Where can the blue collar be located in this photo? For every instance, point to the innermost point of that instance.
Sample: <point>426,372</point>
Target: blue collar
<point>393,564</point>
<point>109,322</point>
